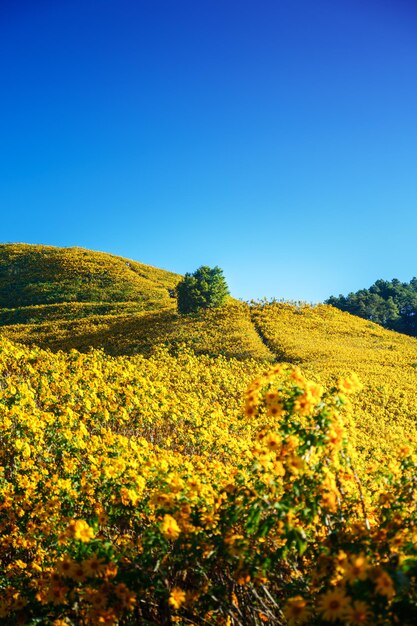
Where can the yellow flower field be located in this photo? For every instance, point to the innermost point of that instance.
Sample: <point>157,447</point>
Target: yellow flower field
<point>177,487</point>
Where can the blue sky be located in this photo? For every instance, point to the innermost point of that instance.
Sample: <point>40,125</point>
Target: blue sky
<point>274,138</point>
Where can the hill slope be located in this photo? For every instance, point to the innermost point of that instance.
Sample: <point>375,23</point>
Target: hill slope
<point>324,341</point>
<point>33,275</point>
<point>227,331</point>
<point>159,484</point>
<point>155,487</point>
<point>328,343</point>
<point>65,298</point>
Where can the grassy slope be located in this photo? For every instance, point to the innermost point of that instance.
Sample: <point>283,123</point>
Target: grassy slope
<point>324,341</point>
<point>228,331</point>
<point>42,313</point>
<point>184,408</point>
<point>64,298</point>
<point>38,275</point>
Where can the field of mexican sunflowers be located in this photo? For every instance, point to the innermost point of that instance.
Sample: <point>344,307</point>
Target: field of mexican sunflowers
<point>189,486</point>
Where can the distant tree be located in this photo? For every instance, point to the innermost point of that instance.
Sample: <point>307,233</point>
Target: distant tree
<point>206,288</point>
<point>392,304</point>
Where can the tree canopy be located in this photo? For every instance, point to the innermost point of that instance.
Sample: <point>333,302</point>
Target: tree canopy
<point>393,304</point>
<point>205,288</point>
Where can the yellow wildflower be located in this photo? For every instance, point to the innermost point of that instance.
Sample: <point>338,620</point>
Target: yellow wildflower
<point>79,529</point>
<point>356,568</point>
<point>296,611</point>
<point>177,598</point>
<point>384,585</point>
<point>358,614</point>
<point>169,527</point>
<point>332,604</point>
<point>350,384</point>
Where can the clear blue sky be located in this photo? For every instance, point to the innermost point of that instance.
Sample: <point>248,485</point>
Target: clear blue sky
<point>275,138</point>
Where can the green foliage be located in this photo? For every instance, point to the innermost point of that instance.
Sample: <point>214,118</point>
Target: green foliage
<point>392,304</point>
<point>206,288</point>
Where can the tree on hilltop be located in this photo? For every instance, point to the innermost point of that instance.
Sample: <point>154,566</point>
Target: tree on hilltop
<point>206,288</point>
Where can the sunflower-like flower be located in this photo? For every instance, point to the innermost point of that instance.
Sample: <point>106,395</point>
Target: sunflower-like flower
<point>296,611</point>
<point>333,604</point>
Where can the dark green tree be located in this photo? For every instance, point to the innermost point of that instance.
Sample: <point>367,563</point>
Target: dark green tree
<point>392,304</point>
<point>206,288</point>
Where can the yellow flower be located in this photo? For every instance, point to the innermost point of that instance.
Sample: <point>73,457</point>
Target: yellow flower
<point>79,529</point>
<point>169,527</point>
<point>358,614</point>
<point>93,566</point>
<point>404,451</point>
<point>385,499</point>
<point>275,409</point>
<point>335,436</point>
<point>127,597</point>
<point>110,570</point>
<point>272,441</point>
<point>349,385</point>
<point>333,604</point>
<point>78,572</point>
<point>315,391</point>
<point>296,611</point>
<point>129,496</point>
<point>64,566</point>
<point>356,568</point>
<point>384,585</point>
<point>57,594</point>
<point>97,598</point>
<point>304,403</point>
<point>271,396</point>
<point>177,598</point>
<point>243,579</point>
<point>250,409</point>
<point>294,464</point>
<point>26,451</point>
<point>297,376</point>
<point>328,501</point>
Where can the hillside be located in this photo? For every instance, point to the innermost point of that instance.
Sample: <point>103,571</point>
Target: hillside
<point>69,298</point>
<point>327,343</point>
<point>146,490</point>
<point>221,468</point>
<point>324,341</point>
<point>40,275</point>
<point>227,331</point>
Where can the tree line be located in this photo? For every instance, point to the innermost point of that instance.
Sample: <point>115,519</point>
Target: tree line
<point>393,304</point>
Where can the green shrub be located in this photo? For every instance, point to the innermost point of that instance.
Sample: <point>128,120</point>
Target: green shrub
<point>204,289</point>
